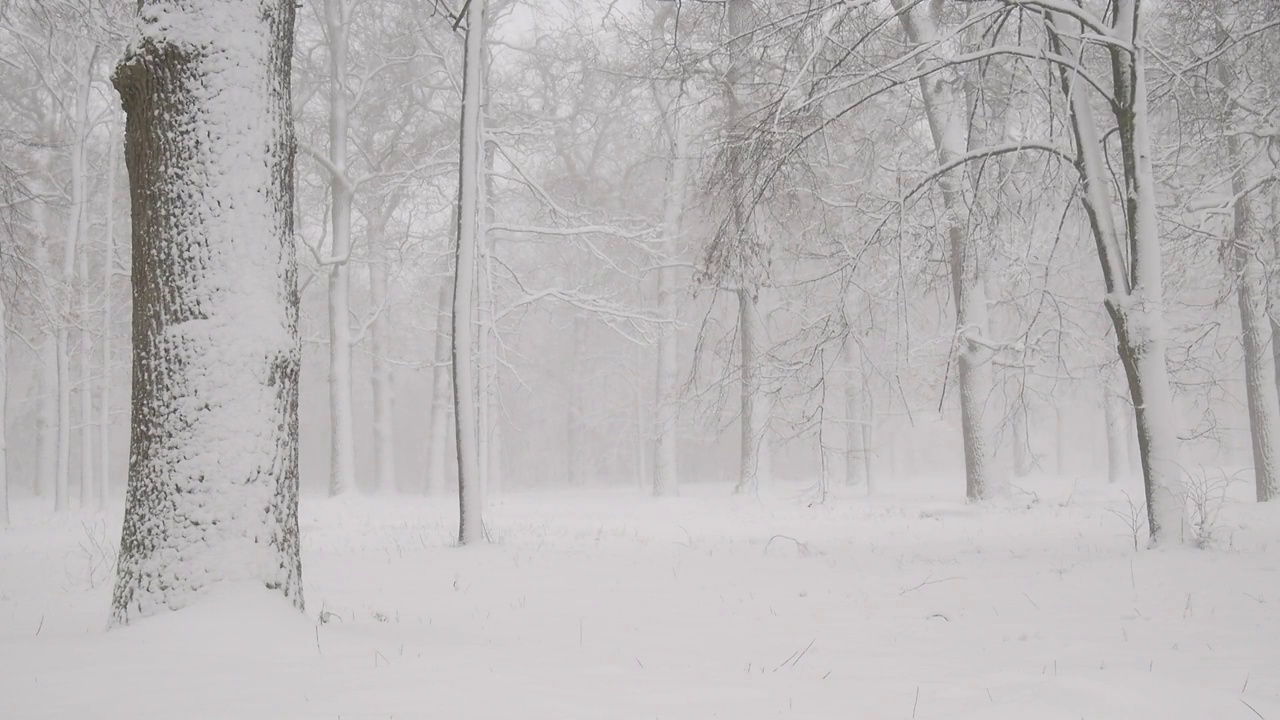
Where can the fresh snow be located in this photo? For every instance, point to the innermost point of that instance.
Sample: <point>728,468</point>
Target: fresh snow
<point>612,604</point>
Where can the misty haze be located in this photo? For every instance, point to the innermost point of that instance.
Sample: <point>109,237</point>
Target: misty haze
<point>674,359</point>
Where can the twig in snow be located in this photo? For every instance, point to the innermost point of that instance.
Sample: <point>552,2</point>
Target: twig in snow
<point>40,626</point>
<point>927,581</point>
<point>1255,710</point>
<point>915,702</point>
<point>802,548</point>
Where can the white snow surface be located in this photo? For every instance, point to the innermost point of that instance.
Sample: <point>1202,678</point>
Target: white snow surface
<point>611,604</point>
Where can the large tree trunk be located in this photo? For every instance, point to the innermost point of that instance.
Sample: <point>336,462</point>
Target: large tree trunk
<point>342,469</point>
<point>1255,327</point>
<point>441,398</point>
<point>213,468</point>
<point>381,377</point>
<point>470,491</point>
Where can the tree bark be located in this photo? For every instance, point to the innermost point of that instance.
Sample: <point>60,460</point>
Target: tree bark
<point>73,238</point>
<point>946,111</point>
<point>213,468</point>
<point>1118,431</point>
<point>381,377</point>
<point>470,491</point>
<point>342,470</point>
<point>755,461</point>
<point>441,398</point>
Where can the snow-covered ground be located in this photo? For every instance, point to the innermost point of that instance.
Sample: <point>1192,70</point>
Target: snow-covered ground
<point>610,604</point>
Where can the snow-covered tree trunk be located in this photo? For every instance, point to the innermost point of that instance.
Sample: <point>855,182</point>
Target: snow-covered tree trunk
<point>1255,325</point>
<point>213,467</point>
<point>755,460</point>
<point>441,398</point>
<point>1130,259</point>
<point>342,469</point>
<point>947,113</point>
<point>108,276</point>
<point>470,177</point>
<point>72,239</point>
<point>380,375</point>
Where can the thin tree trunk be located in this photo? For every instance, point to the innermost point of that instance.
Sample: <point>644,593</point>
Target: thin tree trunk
<point>666,474</point>
<point>47,418</point>
<point>1022,463</point>
<point>574,430</point>
<point>75,219</point>
<point>87,458</point>
<point>438,453</point>
<point>381,378</point>
<point>755,461</point>
<point>342,471</point>
<point>470,491</point>
<point>108,276</point>
<point>854,469</point>
<point>213,483</point>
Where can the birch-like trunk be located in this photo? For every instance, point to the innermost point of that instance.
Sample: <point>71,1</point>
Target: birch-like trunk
<point>438,453</point>
<point>947,113</point>
<point>755,466</point>
<point>72,239</point>
<point>666,474</point>
<point>380,375</point>
<point>213,466</point>
<point>342,470</point>
<point>470,177</point>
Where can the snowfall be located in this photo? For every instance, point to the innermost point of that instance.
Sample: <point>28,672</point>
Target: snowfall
<point>612,604</point>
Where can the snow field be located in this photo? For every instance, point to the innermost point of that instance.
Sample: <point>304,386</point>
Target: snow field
<point>610,604</point>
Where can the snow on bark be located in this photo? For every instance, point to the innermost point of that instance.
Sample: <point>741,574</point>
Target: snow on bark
<point>213,468</point>
<point>342,448</point>
<point>470,492</point>
<point>946,111</point>
<point>1134,299</point>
